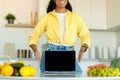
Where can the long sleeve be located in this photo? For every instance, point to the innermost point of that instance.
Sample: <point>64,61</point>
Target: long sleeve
<point>39,29</point>
<point>83,32</point>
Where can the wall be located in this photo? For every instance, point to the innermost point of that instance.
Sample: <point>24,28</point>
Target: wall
<point>22,9</point>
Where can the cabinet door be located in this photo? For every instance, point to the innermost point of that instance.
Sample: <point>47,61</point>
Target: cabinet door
<point>98,14</point>
<point>42,7</point>
<point>82,7</point>
<point>113,13</point>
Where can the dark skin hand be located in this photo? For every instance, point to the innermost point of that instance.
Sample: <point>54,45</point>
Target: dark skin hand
<point>36,52</point>
<point>81,52</point>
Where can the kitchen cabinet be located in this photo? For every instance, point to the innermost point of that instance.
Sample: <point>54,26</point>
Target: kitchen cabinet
<point>113,12</point>
<point>105,14</point>
<point>91,12</point>
<point>98,14</point>
<point>42,7</point>
<point>82,8</point>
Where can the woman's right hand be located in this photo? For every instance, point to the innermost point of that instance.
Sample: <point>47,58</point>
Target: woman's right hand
<point>37,56</point>
<point>36,52</point>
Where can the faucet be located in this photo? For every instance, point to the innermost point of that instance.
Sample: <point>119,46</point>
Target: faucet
<point>9,58</point>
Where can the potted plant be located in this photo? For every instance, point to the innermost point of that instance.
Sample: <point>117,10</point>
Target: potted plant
<point>10,17</point>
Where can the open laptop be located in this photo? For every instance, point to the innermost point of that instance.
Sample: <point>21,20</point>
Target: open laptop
<point>60,62</point>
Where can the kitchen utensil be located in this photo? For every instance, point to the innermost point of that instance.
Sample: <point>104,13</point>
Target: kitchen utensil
<point>28,54</point>
<point>99,52</point>
<point>35,19</point>
<point>112,53</point>
<point>19,53</point>
<point>105,52</point>
<point>92,52</point>
<point>86,54</point>
<point>9,49</point>
<point>31,17</point>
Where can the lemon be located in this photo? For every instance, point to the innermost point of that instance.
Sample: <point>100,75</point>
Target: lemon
<point>7,70</point>
<point>7,63</point>
<point>24,71</point>
<point>27,71</point>
<point>32,69</point>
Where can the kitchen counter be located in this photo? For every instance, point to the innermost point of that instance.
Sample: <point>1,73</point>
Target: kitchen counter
<point>84,64</point>
<point>59,78</point>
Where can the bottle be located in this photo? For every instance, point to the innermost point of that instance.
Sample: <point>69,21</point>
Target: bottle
<point>118,52</point>
<point>92,53</point>
<point>19,53</point>
<point>28,54</point>
<point>25,53</point>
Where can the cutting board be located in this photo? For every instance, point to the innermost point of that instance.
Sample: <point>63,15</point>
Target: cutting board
<point>9,49</point>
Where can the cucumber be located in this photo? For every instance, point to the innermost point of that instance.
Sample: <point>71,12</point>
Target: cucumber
<point>17,65</point>
<point>16,72</point>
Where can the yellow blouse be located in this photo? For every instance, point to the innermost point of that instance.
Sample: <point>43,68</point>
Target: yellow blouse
<point>49,23</point>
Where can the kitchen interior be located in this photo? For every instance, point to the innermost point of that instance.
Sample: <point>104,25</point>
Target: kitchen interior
<point>101,16</point>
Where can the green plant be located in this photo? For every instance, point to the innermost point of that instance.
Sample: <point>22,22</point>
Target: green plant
<point>10,16</point>
<point>115,63</point>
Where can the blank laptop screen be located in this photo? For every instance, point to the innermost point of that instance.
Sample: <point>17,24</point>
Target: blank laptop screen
<point>59,60</point>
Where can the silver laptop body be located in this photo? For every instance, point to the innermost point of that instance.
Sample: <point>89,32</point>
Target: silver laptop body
<point>60,63</point>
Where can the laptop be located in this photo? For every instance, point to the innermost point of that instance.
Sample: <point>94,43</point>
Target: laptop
<point>60,62</point>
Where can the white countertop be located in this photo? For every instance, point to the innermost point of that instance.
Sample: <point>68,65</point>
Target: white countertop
<point>84,65</point>
<point>59,78</point>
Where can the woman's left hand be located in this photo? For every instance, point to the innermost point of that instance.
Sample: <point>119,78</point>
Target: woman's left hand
<point>81,52</point>
<point>80,55</point>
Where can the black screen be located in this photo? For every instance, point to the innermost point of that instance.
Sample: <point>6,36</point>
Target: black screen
<point>59,60</point>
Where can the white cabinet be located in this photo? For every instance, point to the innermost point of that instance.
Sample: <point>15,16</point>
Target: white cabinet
<point>113,12</point>
<point>93,12</point>
<point>98,14</point>
<point>42,7</point>
<point>105,14</point>
<point>82,8</point>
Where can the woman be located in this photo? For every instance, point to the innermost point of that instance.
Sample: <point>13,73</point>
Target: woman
<point>62,26</point>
